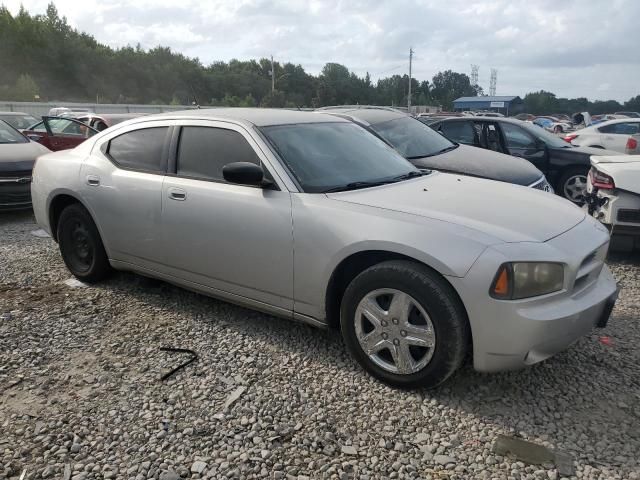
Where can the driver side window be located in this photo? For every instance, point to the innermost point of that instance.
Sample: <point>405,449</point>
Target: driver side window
<point>516,137</point>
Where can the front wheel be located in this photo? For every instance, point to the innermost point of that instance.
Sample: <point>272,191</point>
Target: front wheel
<point>404,324</point>
<point>81,246</point>
<point>573,184</point>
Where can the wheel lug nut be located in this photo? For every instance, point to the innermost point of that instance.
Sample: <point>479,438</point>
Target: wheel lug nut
<point>395,321</point>
<point>385,336</point>
<point>396,341</point>
<point>384,323</point>
<point>403,333</point>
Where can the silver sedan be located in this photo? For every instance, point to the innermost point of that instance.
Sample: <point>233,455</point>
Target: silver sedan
<point>310,217</point>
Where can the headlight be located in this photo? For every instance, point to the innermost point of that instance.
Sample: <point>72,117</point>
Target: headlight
<point>527,279</point>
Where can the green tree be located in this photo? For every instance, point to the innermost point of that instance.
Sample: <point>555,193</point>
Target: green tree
<point>449,85</point>
<point>25,89</point>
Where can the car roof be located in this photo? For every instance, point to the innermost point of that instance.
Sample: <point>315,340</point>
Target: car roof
<point>255,116</point>
<point>369,115</point>
<point>515,121</point>
<point>616,120</point>
<point>16,113</point>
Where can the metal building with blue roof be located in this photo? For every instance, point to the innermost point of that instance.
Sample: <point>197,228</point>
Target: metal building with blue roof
<point>507,105</point>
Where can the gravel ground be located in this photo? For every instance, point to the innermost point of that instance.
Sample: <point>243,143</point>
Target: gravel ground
<point>81,395</point>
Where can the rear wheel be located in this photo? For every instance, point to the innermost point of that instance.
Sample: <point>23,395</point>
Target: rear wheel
<point>573,184</point>
<point>404,324</point>
<point>81,246</point>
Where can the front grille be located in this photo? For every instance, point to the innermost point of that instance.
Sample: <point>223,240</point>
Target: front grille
<point>10,198</point>
<point>629,216</point>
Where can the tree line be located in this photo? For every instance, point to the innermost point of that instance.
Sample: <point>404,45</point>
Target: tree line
<point>44,58</point>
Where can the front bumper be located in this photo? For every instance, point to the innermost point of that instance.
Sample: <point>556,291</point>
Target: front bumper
<point>509,335</point>
<point>14,195</point>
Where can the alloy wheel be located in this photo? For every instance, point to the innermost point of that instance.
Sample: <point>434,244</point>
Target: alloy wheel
<point>575,188</point>
<point>395,331</point>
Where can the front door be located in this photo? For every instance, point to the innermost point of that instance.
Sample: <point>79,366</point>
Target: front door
<point>233,238</point>
<point>521,143</point>
<point>65,133</point>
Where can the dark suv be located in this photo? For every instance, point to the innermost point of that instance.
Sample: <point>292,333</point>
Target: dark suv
<point>565,166</point>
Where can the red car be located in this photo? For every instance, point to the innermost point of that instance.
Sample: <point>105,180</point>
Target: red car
<point>59,133</point>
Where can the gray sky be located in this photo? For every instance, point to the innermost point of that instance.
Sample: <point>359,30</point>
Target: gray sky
<point>571,47</point>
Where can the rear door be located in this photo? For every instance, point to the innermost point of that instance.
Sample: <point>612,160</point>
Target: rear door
<point>521,143</point>
<point>614,137</point>
<point>122,183</point>
<point>460,131</point>
<point>236,239</point>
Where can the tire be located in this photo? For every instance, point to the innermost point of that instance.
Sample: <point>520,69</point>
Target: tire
<point>81,246</point>
<point>572,182</point>
<point>446,324</point>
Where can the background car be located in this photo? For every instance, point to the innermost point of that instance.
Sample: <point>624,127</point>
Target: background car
<point>17,156</point>
<point>525,117</point>
<point>310,217</point>
<point>426,149</point>
<point>552,124</point>
<point>62,111</point>
<point>564,165</point>
<point>610,135</point>
<point>102,121</point>
<point>633,145</point>
<point>59,133</point>
<point>614,197</point>
<point>629,114</point>
<point>18,120</point>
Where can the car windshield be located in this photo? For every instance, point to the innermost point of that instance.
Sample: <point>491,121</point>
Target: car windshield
<point>336,156</point>
<point>10,135</point>
<point>19,121</point>
<point>549,138</point>
<point>412,138</point>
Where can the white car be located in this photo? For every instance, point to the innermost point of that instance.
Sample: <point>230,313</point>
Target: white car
<point>614,196</point>
<point>611,135</point>
<point>633,145</point>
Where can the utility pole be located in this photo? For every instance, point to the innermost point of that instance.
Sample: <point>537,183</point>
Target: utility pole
<point>273,76</point>
<point>409,96</point>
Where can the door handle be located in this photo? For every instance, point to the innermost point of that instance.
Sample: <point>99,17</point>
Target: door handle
<point>177,194</point>
<point>93,180</point>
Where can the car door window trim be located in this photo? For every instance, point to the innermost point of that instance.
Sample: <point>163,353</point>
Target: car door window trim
<point>174,154</point>
<point>104,148</point>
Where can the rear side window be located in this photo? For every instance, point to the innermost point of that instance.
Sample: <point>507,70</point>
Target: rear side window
<point>140,149</point>
<point>459,132</point>
<point>621,128</point>
<point>203,151</point>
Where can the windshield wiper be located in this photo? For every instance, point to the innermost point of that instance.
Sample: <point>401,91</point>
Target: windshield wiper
<point>444,150</point>
<point>357,185</point>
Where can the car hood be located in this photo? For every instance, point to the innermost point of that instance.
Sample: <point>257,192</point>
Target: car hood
<point>19,157</point>
<point>507,212</point>
<point>482,163</point>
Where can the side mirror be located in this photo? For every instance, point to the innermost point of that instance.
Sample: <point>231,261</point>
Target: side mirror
<point>244,173</point>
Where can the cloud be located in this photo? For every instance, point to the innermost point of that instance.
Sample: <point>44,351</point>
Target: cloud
<point>571,48</point>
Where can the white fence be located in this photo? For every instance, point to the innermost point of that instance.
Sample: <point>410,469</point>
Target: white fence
<point>42,108</point>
